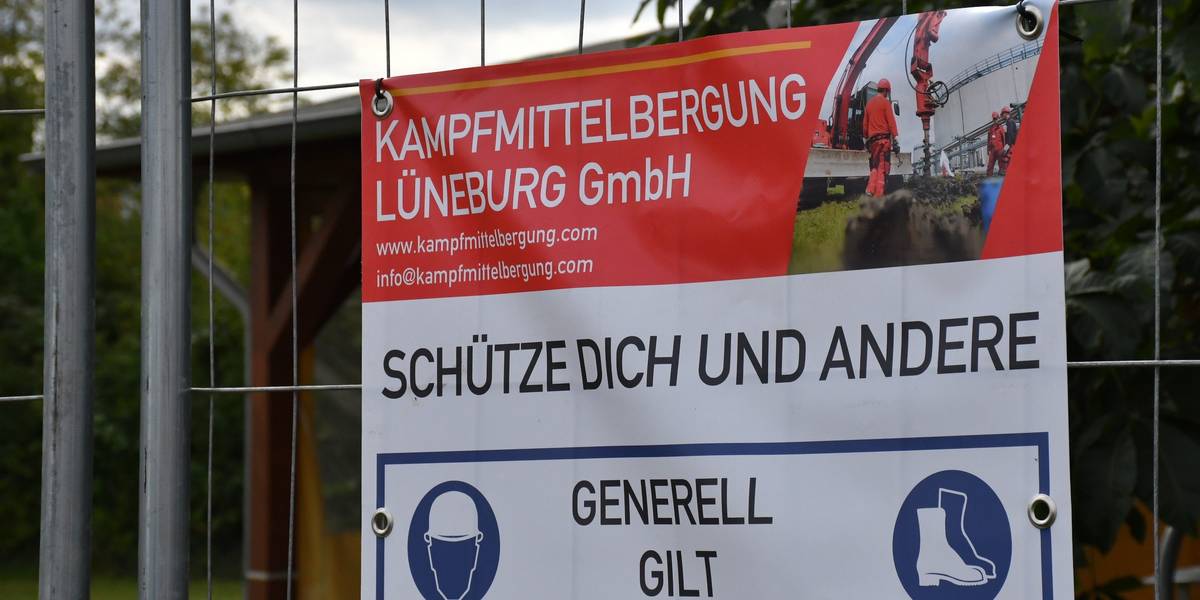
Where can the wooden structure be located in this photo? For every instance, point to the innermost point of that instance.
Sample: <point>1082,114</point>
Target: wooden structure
<point>328,268</point>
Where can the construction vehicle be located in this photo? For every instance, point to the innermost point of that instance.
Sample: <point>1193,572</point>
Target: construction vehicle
<point>839,155</point>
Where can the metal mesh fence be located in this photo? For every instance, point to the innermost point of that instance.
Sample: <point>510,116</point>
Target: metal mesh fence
<point>36,113</point>
<point>211,389</point>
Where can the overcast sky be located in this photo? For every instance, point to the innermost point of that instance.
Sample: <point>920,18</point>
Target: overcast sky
<point>343,40</point>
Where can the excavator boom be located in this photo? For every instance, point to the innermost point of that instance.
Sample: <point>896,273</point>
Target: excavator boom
<point>839,125</point>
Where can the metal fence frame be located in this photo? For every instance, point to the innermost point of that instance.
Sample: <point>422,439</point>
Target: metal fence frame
<point>65,551</point>
<point>166,389</point>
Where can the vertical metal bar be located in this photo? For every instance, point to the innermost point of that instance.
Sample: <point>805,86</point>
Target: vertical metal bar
<point>65,551</point>
<point>482,32</point>
<point>679,3</point>
<point>1164,578</point>
<point>212,325</point>
<point>166,243</point>
<point>295,303</point>
<point>1158,592</point>
<point>582,13</point>
<point>387,35</point>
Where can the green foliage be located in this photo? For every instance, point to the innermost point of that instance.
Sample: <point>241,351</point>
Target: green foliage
<point>23,584</point>
<point>819,236</point>
<point>1108,169</point>
<point>21,254</point>
<point>244,62</point>
<point>231,235</point>
<point>118,311</point>
<point>1108,114</point>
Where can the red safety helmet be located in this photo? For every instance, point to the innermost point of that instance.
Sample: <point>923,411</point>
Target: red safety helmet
<point>884,84</point>
<point>995,115</point>
<point>1005,110</point>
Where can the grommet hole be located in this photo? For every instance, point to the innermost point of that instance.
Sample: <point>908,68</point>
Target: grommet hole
<point>1042,511</point>
<point>381,522</point>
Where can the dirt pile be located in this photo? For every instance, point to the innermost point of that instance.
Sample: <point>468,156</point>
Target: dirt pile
<point>931,221</point>
<point>939,190</point>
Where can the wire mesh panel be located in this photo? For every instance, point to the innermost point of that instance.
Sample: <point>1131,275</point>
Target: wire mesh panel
<point>22,394</point>
<point>68,284</point>
<point>295,388</point>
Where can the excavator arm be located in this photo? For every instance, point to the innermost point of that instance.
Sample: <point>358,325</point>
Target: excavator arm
<point>839,126</point>
<point>929,92</point>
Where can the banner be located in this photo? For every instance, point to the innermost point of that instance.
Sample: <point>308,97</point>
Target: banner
<point>758,315</point>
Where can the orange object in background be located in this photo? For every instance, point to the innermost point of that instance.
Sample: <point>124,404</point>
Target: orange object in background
<point>327,561</point>
<point>1130,558</point>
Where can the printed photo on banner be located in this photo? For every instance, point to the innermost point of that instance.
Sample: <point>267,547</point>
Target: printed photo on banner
<point>915,139</point>
<point>768,314</point>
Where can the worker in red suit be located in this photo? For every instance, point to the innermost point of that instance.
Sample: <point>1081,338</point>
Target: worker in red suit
<point>879,127</point>
<point>1009,125</point>
<point>995,143</point>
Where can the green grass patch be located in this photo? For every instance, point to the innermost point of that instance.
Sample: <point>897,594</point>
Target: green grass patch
<point>820,236</point>
<point>956,207</point>
<point>19,586</point>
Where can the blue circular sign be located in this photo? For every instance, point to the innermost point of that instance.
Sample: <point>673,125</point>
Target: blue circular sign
<point>453,543</point>
<point>952,539</point>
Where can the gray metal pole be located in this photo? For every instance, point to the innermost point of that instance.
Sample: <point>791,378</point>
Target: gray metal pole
<point>66,527</point>
<point>166,251</point>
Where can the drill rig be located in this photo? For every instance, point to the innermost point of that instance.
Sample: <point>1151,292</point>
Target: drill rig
<point>931,94</point>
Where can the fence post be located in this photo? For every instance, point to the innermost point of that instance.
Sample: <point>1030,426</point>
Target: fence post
<point>166,250</point>
<point>65,552</point>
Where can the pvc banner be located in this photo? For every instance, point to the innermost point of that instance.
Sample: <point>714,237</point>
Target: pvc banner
<point>771,314</point>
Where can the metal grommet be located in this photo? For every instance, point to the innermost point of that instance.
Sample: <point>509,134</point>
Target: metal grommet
<point>382,103</point>
<point>1042,511</point>
<point>381,522</point>
<point>1029,21</point>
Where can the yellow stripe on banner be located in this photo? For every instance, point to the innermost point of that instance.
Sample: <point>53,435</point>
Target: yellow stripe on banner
<point>606,70</point>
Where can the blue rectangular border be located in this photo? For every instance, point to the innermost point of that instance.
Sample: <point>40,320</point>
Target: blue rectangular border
<point>1040,440</point>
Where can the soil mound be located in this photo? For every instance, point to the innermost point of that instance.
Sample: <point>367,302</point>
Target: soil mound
<point>927,222</point>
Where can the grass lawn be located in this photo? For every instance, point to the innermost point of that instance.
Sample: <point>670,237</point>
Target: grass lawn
<point>958,205</point>
<point>819,237</point>
<point>19,586</point>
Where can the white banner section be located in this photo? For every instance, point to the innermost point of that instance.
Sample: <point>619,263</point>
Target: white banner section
<point>859,434</point>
